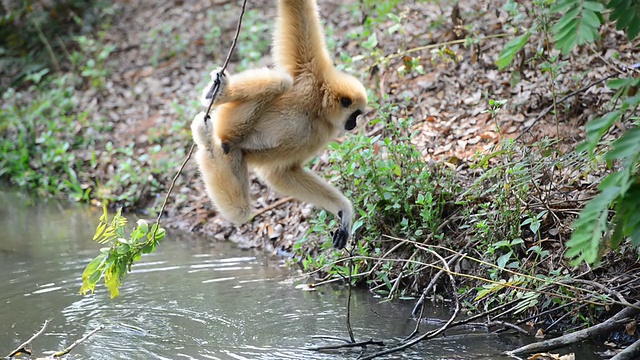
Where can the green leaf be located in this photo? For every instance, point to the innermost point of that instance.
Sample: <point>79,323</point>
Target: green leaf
<point>502,260</point>
<point>143,226</point>
<point>627,146</point>
<point>593,6</point>
<point>511,49</point>
<point>371,42</point>
<point>596,128</point>
<point>91,274</point>
<point>626,14</point>
<point>590,227</point>
<point>579,25</point>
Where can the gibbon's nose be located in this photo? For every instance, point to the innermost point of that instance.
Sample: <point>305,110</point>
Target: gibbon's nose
<point>351,121</point>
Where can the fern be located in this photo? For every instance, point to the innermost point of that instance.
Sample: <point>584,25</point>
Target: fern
<point>590,227</point>
<point>620,190</point>
<point>626,13</point>
<point>579,24</point>
<point>511,49</point>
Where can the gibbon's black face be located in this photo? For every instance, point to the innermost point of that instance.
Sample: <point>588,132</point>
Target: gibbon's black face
<point>351,121</point>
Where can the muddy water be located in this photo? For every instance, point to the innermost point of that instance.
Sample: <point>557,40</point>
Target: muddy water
<point>189,300</point>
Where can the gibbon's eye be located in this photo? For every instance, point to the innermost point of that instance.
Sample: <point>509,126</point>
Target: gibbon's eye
<point>345,102</point>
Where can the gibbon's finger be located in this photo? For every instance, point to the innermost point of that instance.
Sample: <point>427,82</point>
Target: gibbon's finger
<point>215,84</point>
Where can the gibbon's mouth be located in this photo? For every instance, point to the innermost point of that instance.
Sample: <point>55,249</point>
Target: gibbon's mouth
<point>351,121</point>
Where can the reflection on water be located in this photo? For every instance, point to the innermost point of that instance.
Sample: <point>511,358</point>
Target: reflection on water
<point>189,300</point>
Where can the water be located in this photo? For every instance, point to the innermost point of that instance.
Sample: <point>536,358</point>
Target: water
<point>189,300</point>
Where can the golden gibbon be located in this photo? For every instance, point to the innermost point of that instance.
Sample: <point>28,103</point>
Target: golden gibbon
<point>275,120</point>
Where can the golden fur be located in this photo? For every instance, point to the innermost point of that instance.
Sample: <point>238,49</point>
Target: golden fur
<point>275,120</point>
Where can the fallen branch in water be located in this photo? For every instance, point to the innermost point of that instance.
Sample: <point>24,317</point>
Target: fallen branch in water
<point>612,323</point>
<point>348,344</point>
<point>68,349</point>
<point>430,334</point>
<point>22,348</point>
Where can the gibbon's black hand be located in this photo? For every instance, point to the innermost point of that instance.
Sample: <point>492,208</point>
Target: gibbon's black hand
<point>215,85</point>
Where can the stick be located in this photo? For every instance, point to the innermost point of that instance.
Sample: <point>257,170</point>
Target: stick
<point>68,349</point>
<point>630,353</point>
<point>193,145</point>
<point>272,206</point>
<point>571,94</point>
<point>429,334</point>
<point>22,347</point>
<point>616,321</point>
<point>347,345</point>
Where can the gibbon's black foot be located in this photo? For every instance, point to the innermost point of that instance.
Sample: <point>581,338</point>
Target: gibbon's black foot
<point>340,238</point>
<point>225,148</point>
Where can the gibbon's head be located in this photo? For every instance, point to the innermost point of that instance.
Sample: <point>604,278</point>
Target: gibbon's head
<point>344,100</point>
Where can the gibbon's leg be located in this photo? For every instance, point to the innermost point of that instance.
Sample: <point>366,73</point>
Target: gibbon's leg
<point>307,186</point>
<point>225,176</point>
<point>243,97</point>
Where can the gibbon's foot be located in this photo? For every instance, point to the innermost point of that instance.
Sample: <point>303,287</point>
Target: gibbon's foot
<point>201,129</point>
<point>219,81</point>
<point>340,238</point>
<point>341,235</point>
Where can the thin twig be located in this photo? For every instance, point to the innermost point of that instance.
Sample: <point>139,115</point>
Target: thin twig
<point>271,207</point>
<point>429,334</point>
<point>68,349</point>
<point>349,329</point>
<point>347,345</point>
<point>446,43</point>
<point>507,325</point>
<point>432,283</point>
<point>23,347</point>
<point>193,145</point>
<point>571,94</point>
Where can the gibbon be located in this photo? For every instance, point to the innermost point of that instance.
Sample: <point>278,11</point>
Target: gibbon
<point>275,120</point>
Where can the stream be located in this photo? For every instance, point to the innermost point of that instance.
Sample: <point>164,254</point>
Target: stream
<point>191,299</point>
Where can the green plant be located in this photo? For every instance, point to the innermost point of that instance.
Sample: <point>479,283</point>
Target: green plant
<point>578,25</point>
<point>35,35</point>
<point>619,191</point>
<point>392,189</point>
<point>90,60</point>
<point>115,260</point>
<point>39,136</point>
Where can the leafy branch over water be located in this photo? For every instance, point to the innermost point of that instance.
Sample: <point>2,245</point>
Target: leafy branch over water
<point>115,261</point>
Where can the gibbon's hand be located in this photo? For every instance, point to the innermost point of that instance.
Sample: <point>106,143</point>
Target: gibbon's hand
<point>218,79</point>
<point>341,235</point>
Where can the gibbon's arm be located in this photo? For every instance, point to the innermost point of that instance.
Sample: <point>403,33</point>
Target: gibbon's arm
<point>299,43</point>
<point>241,100</point>
<point>308,187</point>
<point>260,85</point>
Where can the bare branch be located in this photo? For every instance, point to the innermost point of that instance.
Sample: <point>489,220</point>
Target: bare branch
<point>23,347</point>
<point>68,349</point>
